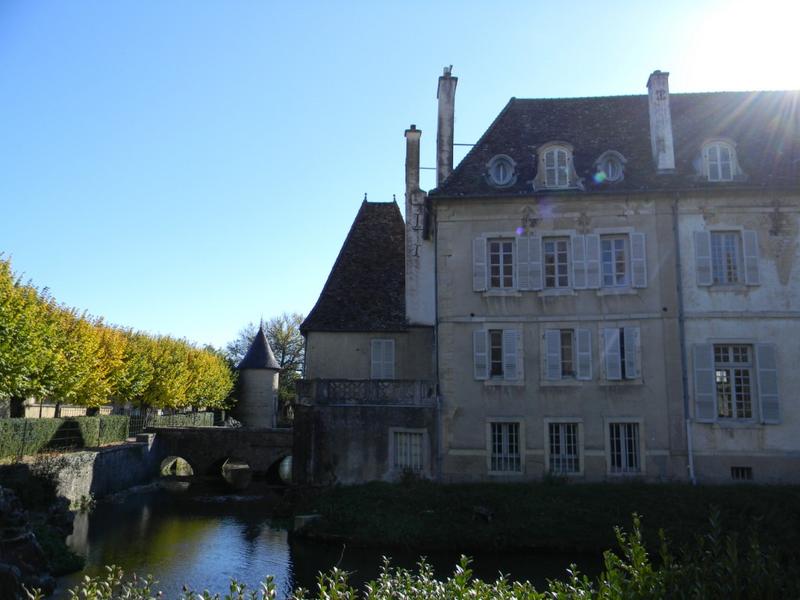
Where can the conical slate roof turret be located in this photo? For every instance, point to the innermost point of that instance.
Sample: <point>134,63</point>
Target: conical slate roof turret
<point>259,355</point>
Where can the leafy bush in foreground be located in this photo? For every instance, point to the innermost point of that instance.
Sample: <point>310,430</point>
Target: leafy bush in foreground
<point>715,567</point>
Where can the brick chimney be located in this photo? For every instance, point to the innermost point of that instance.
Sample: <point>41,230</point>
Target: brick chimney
<point>444,134</point>
<point>660,122</point>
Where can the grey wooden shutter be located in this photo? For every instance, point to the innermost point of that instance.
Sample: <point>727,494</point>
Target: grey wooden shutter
<point>750,247</point>
<point>376,353</point>
<point>767,363</point>
<point>705,387</point>
<point>388,359</point>
<point>583,343</point>
<point>523,263</point>
<point>480,352</point>
<point>702,257</point>
<point>511,354</point>
<point>592,260</point>
<point>632,352</point>
<point>479,271</point>
<point>578,262</point>
<point>611,354</point>
<point>638,260</point>
<point>535,262</point>
<point>552,353</point>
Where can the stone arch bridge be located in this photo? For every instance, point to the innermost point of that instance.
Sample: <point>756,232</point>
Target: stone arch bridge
<point>207,448</point>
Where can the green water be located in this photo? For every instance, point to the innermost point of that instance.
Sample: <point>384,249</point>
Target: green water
<point>203,539</point>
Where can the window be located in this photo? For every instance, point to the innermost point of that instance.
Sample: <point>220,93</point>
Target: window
<point>563,446</point>
<point>382,365</point>
<point>725,257</point>
<point>501,264</point>
<point>610,167</point>
<point>736,381</point>
<point>505,448</point>
<point>567,354</point>
<point>742,473</point>
<point>621,353</point>
<point>720,161</point>
<point>498,354</point>
<point>733,374</point>
<point>556,168</point>
<point>500,171</point>
<point>556,262</point>
<point>614,254</point>
<point>407,450</point>
<point>624,451</point>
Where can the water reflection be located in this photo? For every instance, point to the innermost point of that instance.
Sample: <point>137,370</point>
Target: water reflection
<point>205,540</point>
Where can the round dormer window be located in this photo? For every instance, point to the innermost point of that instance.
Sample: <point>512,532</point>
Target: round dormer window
<point>500,171</point>
<point>610,167</point>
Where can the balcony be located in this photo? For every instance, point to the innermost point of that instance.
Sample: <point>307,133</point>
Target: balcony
<point>363,392</point>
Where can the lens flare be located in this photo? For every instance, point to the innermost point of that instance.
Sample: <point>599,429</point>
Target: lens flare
<point>600,177</point>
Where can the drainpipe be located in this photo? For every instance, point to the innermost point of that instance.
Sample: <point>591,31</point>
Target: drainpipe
<point>682,340</point>
<point>439,420</point>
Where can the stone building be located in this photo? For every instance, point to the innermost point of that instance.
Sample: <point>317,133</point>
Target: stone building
<point>257,386</point>
<point>603,288</point>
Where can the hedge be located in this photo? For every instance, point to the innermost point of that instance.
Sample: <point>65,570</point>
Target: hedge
<point>20,437</point>
<point>198,419</point>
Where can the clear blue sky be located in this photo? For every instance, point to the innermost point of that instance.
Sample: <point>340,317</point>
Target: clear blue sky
<point>184,167</point>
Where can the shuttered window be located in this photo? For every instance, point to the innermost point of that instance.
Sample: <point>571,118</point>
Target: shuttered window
<point>726,258</point>
<point>733,375</point>
<point>556,262</point>
<point>498,354</point>
<point>719,161</point>
<point>622,353</point>
<point>567,354</point>
<point>501,264</point>
<point>382,359</point>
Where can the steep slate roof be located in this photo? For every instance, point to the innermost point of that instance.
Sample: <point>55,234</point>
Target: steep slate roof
<point>259,355</point>
<point>365,290</point>
<point>765,126</point>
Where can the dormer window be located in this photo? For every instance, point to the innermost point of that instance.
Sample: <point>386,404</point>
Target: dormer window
<point>556,170</point>
<point>501,171</point>
<point>556,167</point>
<point>720,161</point>
<point>610,167</point>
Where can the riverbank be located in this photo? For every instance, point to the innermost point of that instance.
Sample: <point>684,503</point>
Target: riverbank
<point>543,516</point>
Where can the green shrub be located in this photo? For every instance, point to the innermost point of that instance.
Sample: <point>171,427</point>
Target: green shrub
<point>199,419</point>
<point>25,437</point>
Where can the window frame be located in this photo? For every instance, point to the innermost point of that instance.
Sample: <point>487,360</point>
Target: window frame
<point>567,263</point>
<point>493,164</point>
<point>720,256</point>
<point>639,446</point>
<point>383,362</point>
<point>612,238</point>
<point>625,378</point>
<point>717,146</point>
<point>731,366</point>
<point>548,455</point>
<point>500,240</point>
<point>396,469</point>
<point>520,443</point>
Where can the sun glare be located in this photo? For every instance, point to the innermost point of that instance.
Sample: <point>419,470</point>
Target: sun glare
<point>742,45</point>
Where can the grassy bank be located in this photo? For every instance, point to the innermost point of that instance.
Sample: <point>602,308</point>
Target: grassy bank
<point>427,516</point>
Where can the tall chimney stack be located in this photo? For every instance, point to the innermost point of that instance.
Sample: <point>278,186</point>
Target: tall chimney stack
<point>412,160</point>
<point>444,134</point>
<point>660,122</point>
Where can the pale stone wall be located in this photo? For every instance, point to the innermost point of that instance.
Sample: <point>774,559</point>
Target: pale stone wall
<point>346,355</point>
<point>766,313</point>
<point>655,401</point>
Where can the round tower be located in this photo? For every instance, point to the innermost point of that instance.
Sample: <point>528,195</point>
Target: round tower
<point>258,385</point>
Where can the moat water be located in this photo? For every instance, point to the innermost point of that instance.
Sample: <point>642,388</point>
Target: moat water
<point>204,538</point>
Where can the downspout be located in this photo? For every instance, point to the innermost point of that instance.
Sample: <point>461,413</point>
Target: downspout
<point>439,419</point>
<point>682,340</point>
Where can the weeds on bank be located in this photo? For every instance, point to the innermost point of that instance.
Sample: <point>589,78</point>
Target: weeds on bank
<point>716,567</point>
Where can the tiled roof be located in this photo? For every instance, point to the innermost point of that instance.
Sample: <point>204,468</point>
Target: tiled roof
<point>365,290</point>
<point>259,355</point>
<point>765,126</point>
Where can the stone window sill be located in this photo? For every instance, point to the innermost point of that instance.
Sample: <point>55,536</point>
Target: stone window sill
<point>503,382</point>
<point>501,293</point>
<point>557,292</point>
<point>620,291</point>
